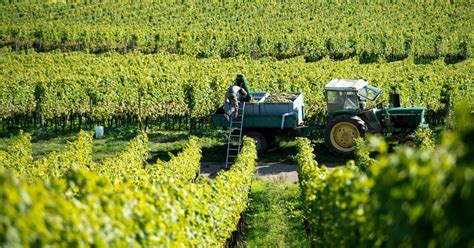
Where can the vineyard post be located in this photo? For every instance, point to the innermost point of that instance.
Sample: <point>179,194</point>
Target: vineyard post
<point>445,98</point>
<point>71,120</point>
<point>90,112</point>
<point>140,94</point>
<point>40,90</point>
<point>15,40</point>
<point>190,100</point>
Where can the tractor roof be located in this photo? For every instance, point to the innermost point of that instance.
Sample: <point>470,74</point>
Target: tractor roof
<point>346,84</point>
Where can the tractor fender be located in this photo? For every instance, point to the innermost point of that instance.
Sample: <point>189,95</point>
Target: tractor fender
<point>350,112</point>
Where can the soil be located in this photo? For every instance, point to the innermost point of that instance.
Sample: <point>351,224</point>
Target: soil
<point>271,171</point>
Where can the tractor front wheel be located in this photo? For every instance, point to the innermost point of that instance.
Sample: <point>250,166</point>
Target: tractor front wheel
<point>341,132</point>
<point>408,140</point>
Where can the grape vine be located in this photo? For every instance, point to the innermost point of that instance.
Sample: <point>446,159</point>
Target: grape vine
<point>367,30</point>
<point>62,90</point>
<point>410,197</point>
<point>83,207</point>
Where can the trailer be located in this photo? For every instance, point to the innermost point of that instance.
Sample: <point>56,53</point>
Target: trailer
<point>267,116</point>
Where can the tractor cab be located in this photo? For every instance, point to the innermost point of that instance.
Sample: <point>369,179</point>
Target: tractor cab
<point>352,97</point>
<point>349,96</point>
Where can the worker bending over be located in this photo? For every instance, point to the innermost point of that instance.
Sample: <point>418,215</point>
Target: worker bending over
<point>233,96</point>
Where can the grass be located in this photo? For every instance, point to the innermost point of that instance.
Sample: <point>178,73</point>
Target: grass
<point>162,144</point>
<point>274,218</point>
<point>44,143</point>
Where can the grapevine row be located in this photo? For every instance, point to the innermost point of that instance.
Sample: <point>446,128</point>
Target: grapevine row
<point>408,198</point>
<point>75,90</point>
<point>117,203</point>
<point>129,165</point>
<point>369,30</point>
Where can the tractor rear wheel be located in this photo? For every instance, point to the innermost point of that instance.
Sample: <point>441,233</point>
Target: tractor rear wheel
<point>340,134</point>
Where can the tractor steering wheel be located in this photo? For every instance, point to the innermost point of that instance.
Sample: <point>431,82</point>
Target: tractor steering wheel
<point>381,104</point>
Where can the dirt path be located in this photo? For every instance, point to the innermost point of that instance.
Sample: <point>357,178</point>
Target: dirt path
<point>273,170</point>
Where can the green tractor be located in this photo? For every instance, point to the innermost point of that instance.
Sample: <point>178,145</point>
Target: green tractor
<point>353,112</point>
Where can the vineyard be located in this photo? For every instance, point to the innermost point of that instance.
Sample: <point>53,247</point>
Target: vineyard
<point>66,199</point>
<point>152,73</point>
<point>75,90</point>
<point>408,196</point>
<point>405,198</point>
<point>196,50</point>
<point>425,30</point>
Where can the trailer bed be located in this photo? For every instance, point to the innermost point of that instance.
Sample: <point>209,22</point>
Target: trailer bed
<point>268,110</point>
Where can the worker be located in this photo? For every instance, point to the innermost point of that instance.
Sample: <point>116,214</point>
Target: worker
<point>233,96</point>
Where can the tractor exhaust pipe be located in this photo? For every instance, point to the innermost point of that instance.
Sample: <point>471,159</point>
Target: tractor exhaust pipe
<point>395,99</point>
